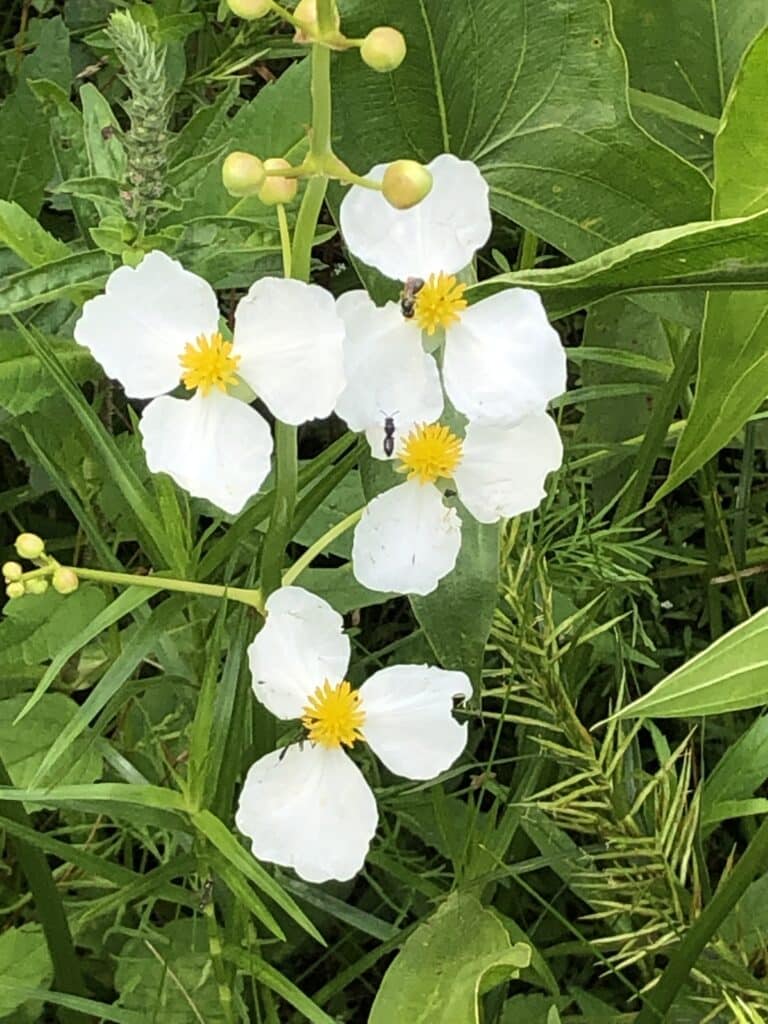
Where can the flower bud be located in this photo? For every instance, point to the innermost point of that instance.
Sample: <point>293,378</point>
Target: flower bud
<point>65,581</point>
<point>11,572</point>
<point>29,545</point>
<point>276,189</point>
<point>250,9</point>
<point>406,183</point>
<point>36,586</point>
<point>383,49</point>
<point>306,13</point>
<point>14,591</point>
<point>242,174</point>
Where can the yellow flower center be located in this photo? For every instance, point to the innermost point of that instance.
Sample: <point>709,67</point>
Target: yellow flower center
<point>209,363</point>
<point>430,452</point>
<point>334,715</point>
<point>439,303</point>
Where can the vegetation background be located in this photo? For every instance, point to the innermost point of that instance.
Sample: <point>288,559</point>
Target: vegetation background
<point>567,869</point>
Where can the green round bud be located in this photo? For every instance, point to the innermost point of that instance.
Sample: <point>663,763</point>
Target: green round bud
<point>11,572</point>
<point>250,9</point>
<point>276,189</point>
<point>36,586</point>
<point>306,13</point>
<point>383,49</point>
<point>29,545</point>
<point>406,183</point>
<point>65,581</point>
<point>14,591</point>
<point>242,174</point>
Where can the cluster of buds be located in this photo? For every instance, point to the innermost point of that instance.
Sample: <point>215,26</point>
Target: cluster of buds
<point>383,49</point>
<point>48,572</point>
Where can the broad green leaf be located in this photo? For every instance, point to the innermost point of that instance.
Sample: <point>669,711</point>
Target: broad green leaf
<point>733,357</point>
<point>536,95</point>
<point>36,628</point>
<point>747,924</point>
<point>457,615</point>
<point>103,135</point>
<point>742,769</point>
<point>730,675</point>
<point>685,52</point>
<point>452,958</point>
<point>729,254</point>
<point>24,962</point>
<point>23,747</point>
<point>165,975</point>
<point>31,242</point>
<point>24,383</point>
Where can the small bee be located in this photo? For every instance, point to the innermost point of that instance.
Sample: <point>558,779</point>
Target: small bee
<point>411,289</point>
<point>389,436</point>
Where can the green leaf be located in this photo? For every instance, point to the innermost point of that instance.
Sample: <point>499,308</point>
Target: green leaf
<point>24,964</point>
<point>55,280</point>
<point>457,616</point>
<point>31,242</point>
<point>24,383</point>
<point>742,769</point>
<point>730,675</point>
<point>452,958</point>
<point>103,135</point>
<point>733,356</point>
<point>536,95</point>
<point>23,747</point>
<point>730,254</point>
<point>36,628</point>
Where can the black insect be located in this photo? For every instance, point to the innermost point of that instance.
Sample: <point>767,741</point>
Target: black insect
<point>411,289</point>
<point>389,436</point>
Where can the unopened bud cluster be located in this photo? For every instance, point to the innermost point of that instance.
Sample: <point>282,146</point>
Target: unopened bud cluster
<point>243,175</point>
<point>49,573</point>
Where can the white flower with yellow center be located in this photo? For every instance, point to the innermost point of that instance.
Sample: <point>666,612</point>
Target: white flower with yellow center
<point>502,359</point>
<point>157,326</point>
<point>408,539</point>
<point>308,806</point>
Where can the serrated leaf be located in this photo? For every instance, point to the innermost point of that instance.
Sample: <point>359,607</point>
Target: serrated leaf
<point>451,959</point>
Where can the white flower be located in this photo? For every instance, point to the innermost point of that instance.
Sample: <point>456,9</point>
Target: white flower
<point>408,539</point>
<point>308,806</point>
<point>441,233</point>
<point>157,325</point>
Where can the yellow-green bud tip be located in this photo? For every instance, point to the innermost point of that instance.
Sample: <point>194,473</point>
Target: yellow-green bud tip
<point>250,9</point>
<point>11,572</point>
<point>276,189</point>
<point>36,586</point>
<point>406,183</point>
<point>29,545</point>
<point>65,581</point>
<point>14,591</point>
<point>306,13</point>
<point>383,49</point>
<point>242,174</point>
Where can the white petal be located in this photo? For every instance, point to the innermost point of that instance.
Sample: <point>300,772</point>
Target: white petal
<point>310,809</point>
<point>503,468</point>
<point>408,720</point>
<point>503,360</point>
<point>290,342</point>
<point>300,646</point>
<point>215,446</point>
<point>138,328</point>
<point>406,541</point>
<point>441,233</point>
<point>388,372</point>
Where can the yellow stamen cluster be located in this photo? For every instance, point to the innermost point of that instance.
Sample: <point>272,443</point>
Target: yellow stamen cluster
<point>334,715</point>
<point>439,303</point>
<point>430,452</point>
<point>209,363</point>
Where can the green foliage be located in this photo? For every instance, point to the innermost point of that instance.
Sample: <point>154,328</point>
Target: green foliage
<point>24,962</point>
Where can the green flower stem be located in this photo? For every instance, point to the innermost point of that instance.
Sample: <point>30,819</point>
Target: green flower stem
<point>683,959</point>
<point>285,239</point>
<point>253,598</point>
<point>48,904</point>
<point>319,546</point>
<point>286,456</point>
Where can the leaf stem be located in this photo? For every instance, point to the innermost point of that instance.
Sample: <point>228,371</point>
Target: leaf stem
<point>682,961</point>
<point>50,909</point>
